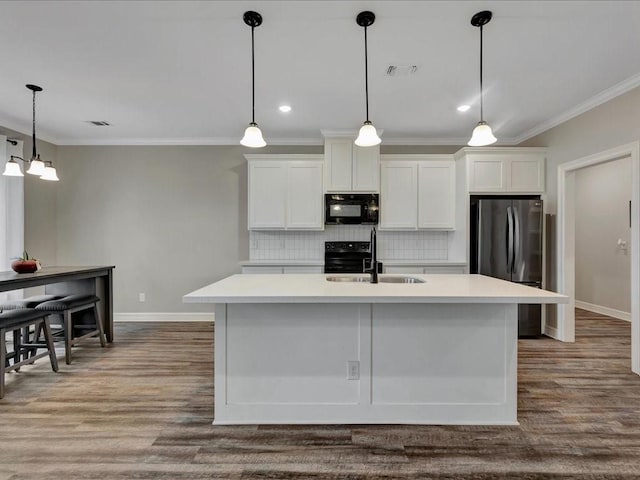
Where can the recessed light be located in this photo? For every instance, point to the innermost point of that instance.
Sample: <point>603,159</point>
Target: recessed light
<point>463,108</point>
<point>284,108</point>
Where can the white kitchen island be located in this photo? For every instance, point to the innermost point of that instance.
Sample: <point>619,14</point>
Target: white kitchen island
<point>301,349</point>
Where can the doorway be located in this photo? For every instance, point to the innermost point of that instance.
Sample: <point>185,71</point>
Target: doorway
<point>566,244</point>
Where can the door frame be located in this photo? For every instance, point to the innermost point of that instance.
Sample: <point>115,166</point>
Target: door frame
<point>566,242</point>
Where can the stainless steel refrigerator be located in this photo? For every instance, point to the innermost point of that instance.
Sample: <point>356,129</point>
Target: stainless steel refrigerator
<point>506,243</point>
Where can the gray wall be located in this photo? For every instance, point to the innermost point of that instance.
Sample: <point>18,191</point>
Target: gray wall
<point>170,218</point>
<point>39,203</point>
<point>603,271</point>
<point>609,125</point>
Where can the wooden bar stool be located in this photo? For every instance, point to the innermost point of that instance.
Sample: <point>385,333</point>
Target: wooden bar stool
<point>67,306</point>
<point>14,321</point>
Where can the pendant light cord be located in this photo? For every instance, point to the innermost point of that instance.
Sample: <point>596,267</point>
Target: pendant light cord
<point>366,72</point>
<point>253,80</point>
<point>33,149</point>
<point>481,90</point>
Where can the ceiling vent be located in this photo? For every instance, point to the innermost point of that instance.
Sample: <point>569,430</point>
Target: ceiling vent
<point>401,70</point>
<point>99,123</point>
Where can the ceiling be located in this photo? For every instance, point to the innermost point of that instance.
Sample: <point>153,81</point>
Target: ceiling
<point>179,72</point>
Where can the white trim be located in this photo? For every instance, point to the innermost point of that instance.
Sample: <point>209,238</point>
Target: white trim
<point>566,242</point>
<point>551,332</point>
<point>598,99</point>
<point>163,317</point>
<point>610,312</point>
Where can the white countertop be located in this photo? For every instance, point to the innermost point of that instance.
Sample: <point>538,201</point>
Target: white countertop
<point>311,288</point>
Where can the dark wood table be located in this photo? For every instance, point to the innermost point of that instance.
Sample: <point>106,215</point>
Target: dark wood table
<point>69,280</point>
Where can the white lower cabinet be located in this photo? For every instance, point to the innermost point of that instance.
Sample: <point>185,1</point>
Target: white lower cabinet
<point>428,269</point>
<point>268,269</point>
<point>417,194</point>
<point>285,192</point>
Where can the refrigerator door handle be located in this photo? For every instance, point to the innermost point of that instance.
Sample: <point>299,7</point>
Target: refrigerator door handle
<point>517,247</point>
<point>479,237</point>
<point>509,239</point>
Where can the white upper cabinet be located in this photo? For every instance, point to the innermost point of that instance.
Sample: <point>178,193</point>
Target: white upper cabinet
<point>305,198</point>
<point>437,195</point>
<point>267,195</point>
<point>505,169</point>
<point>419,193</point>
<point>349,168</point>
<point>285,192</point>
<point>399,195</point>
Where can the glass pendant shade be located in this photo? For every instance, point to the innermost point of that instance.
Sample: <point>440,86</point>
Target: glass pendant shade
<point>50,174</point>
<point>482,136</point>
<point>253,137</point>
<point>12,169</point>
<point>367,136</point>
<point>37,166</point>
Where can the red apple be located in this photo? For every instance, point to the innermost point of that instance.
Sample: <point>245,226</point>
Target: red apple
<point>24,266</point>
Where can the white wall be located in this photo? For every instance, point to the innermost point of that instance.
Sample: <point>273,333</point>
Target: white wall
<point>603,269</point>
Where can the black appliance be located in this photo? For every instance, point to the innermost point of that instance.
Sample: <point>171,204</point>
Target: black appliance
<point>351,209</point>
<point>347,257</point>
<point>506,243</point>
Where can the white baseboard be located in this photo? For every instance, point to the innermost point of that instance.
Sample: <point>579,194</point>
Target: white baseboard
<point>163,317</point>
<point>611,312</point>
<point>552,332</point>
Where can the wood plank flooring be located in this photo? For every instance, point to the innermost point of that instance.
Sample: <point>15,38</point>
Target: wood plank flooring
<point>142,409</point>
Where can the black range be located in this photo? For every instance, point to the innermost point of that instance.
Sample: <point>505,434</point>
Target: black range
<point>346,257</point>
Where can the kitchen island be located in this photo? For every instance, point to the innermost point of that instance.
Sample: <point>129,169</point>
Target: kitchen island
<point>303,349</point>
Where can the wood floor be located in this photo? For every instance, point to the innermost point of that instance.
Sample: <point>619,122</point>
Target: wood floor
<point>142,409</point>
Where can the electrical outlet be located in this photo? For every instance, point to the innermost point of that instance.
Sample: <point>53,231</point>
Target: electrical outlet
<point>142,297</point>
<point>353,370</point>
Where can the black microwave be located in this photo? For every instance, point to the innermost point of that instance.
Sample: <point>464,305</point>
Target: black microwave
<point>351,209</point>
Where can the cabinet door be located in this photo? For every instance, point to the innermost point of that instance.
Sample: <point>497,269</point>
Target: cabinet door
<point>303,269</point>
<point>267,195</point>
<point>338,154</point>
<point>444,270</point>
<point>437,195</point>
<point>404,269</point>
<point>399,195</point>
<point>487,175</point>
<point>525,173</point>
<point>305,198</point>
<point>366,168</point>
<point>259,270</point>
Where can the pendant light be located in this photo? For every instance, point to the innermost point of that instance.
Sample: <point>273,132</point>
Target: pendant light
<point>252,135</point>
<point>482,134</point>
<point>45,170</point>
<point>367,136</point>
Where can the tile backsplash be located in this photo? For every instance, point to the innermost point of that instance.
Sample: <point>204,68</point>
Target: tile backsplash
<point>301,245</point>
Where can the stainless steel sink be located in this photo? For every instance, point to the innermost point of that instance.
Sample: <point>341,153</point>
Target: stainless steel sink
<point>400,280</point>
<point>366,279</point>
<point>381,279</point>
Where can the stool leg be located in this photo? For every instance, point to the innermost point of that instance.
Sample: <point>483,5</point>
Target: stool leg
<point>3,356</point>
<point>96,314</point>
<point>49,339</point>
<point>68,333</point>
<point>17,350</point>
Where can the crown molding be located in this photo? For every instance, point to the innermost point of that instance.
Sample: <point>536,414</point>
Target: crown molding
<point>598,99</point>
<point>194,141</point>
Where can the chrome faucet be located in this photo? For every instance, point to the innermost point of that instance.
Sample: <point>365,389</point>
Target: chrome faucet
<point>374,257</point>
